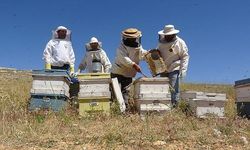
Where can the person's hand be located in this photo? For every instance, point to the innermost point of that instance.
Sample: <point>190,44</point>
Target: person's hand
<point>137,67</point>
<point>73,74</point>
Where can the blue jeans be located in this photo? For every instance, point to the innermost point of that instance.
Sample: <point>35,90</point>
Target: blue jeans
<point>174,85</point>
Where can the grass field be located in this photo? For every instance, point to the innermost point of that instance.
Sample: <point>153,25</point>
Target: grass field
<point>22,130</point>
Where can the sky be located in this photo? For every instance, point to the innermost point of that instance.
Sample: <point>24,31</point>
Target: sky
<point>217,32</point>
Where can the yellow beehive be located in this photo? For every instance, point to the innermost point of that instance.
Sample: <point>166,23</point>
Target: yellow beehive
<point>94,94</point>
<point>94,105</point>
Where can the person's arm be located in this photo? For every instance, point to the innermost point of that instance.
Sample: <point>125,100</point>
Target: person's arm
<point>83,63</point>
<point>47,55</point>
<point>105,61</point>
<point>72,59</point>
<point>184,57</point>
<point>142,54</point>
<point>123,58</point>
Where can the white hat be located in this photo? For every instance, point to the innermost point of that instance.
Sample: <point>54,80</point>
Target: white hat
<point>61,28</point>
<point>168,30</point>
<point>93,40</point>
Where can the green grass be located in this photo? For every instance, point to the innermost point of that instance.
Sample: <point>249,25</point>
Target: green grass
<point>20,129</point>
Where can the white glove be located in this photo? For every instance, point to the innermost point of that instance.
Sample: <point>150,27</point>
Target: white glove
<point>73,74</point>
<point>182,74</point>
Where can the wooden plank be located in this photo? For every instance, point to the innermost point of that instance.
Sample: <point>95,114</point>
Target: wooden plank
<point>118,94</point>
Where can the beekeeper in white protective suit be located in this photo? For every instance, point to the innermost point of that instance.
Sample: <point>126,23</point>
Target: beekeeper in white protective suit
<point>95,59</point>
<point>58,53</point>
<point>175,55</point>
<point>128,56</point>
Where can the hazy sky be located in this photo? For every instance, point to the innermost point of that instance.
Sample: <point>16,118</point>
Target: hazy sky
<point>217,32</point>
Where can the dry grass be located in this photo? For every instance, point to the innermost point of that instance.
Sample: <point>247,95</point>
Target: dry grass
<point>20,129</point>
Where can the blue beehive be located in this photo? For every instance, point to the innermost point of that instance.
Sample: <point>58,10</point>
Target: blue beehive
<point>47,102</point>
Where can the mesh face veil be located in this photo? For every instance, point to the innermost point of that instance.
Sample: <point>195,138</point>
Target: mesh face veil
<point>132,42</point>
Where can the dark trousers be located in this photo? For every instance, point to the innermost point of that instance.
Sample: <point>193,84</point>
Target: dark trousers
<point>64,67</point>
<point>125,82</point>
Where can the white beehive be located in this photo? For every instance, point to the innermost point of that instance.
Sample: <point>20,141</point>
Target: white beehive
<point>151,88</point>
<point>152,94</point>
<point>94,85</point>
<point>94,88</point>
<point>204,104</point>
<point>50,83</point>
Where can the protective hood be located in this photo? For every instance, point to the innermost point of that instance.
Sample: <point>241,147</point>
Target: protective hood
<point>55,35</point>
<point>88,47</point>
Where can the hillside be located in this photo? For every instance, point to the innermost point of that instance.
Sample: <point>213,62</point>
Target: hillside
<point>22,130</point>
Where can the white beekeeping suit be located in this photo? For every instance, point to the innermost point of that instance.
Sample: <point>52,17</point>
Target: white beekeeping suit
<point>59,52</point>
<point>126,57</point>
<point>175,55</point>
<point>92,55</point>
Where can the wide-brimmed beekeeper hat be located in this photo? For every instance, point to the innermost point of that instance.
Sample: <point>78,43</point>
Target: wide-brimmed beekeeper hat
<point>168,30</point>
<point>131,33</point>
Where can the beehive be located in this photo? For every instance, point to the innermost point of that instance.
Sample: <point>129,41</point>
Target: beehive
<point>152,94</point>
<point>242,90</point>
<point>93,105</point>
<point>94,94</point>
<point>50,82</point>
<point>204,104</point>
<point>50,90</point>
<point>47,102</point>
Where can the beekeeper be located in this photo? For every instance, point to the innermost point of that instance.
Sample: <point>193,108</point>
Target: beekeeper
<point>175,55</point>
<point>95,59</point>
<point>58,53</point>
<point>128,56</point>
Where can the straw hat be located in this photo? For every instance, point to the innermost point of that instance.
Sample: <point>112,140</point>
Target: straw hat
<point>131,33</point>
<point>168,30</point>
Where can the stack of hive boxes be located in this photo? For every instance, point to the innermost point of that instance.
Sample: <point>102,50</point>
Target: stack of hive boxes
<point>94,93</point>
<point>242,89</point>
<point>50,90</point>
<point>203,103</point>
<point>152,95</point>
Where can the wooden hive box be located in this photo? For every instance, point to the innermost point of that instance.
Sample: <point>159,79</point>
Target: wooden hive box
<point>50,82</point>
<point>94,94</point>
<point>152,95</point>
<point>242,90</point>
<point>204,104</point>
<point>47,102</point>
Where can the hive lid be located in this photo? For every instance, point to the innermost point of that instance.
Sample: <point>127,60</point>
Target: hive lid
<point>52,72</point>
<point>242,82</point>
<point>160,79</point>
<point>93,75</point>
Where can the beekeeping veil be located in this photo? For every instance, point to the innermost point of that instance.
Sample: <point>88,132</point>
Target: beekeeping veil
<point>68,34</point>
<point>93,40</point>
<point>131,37</point>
